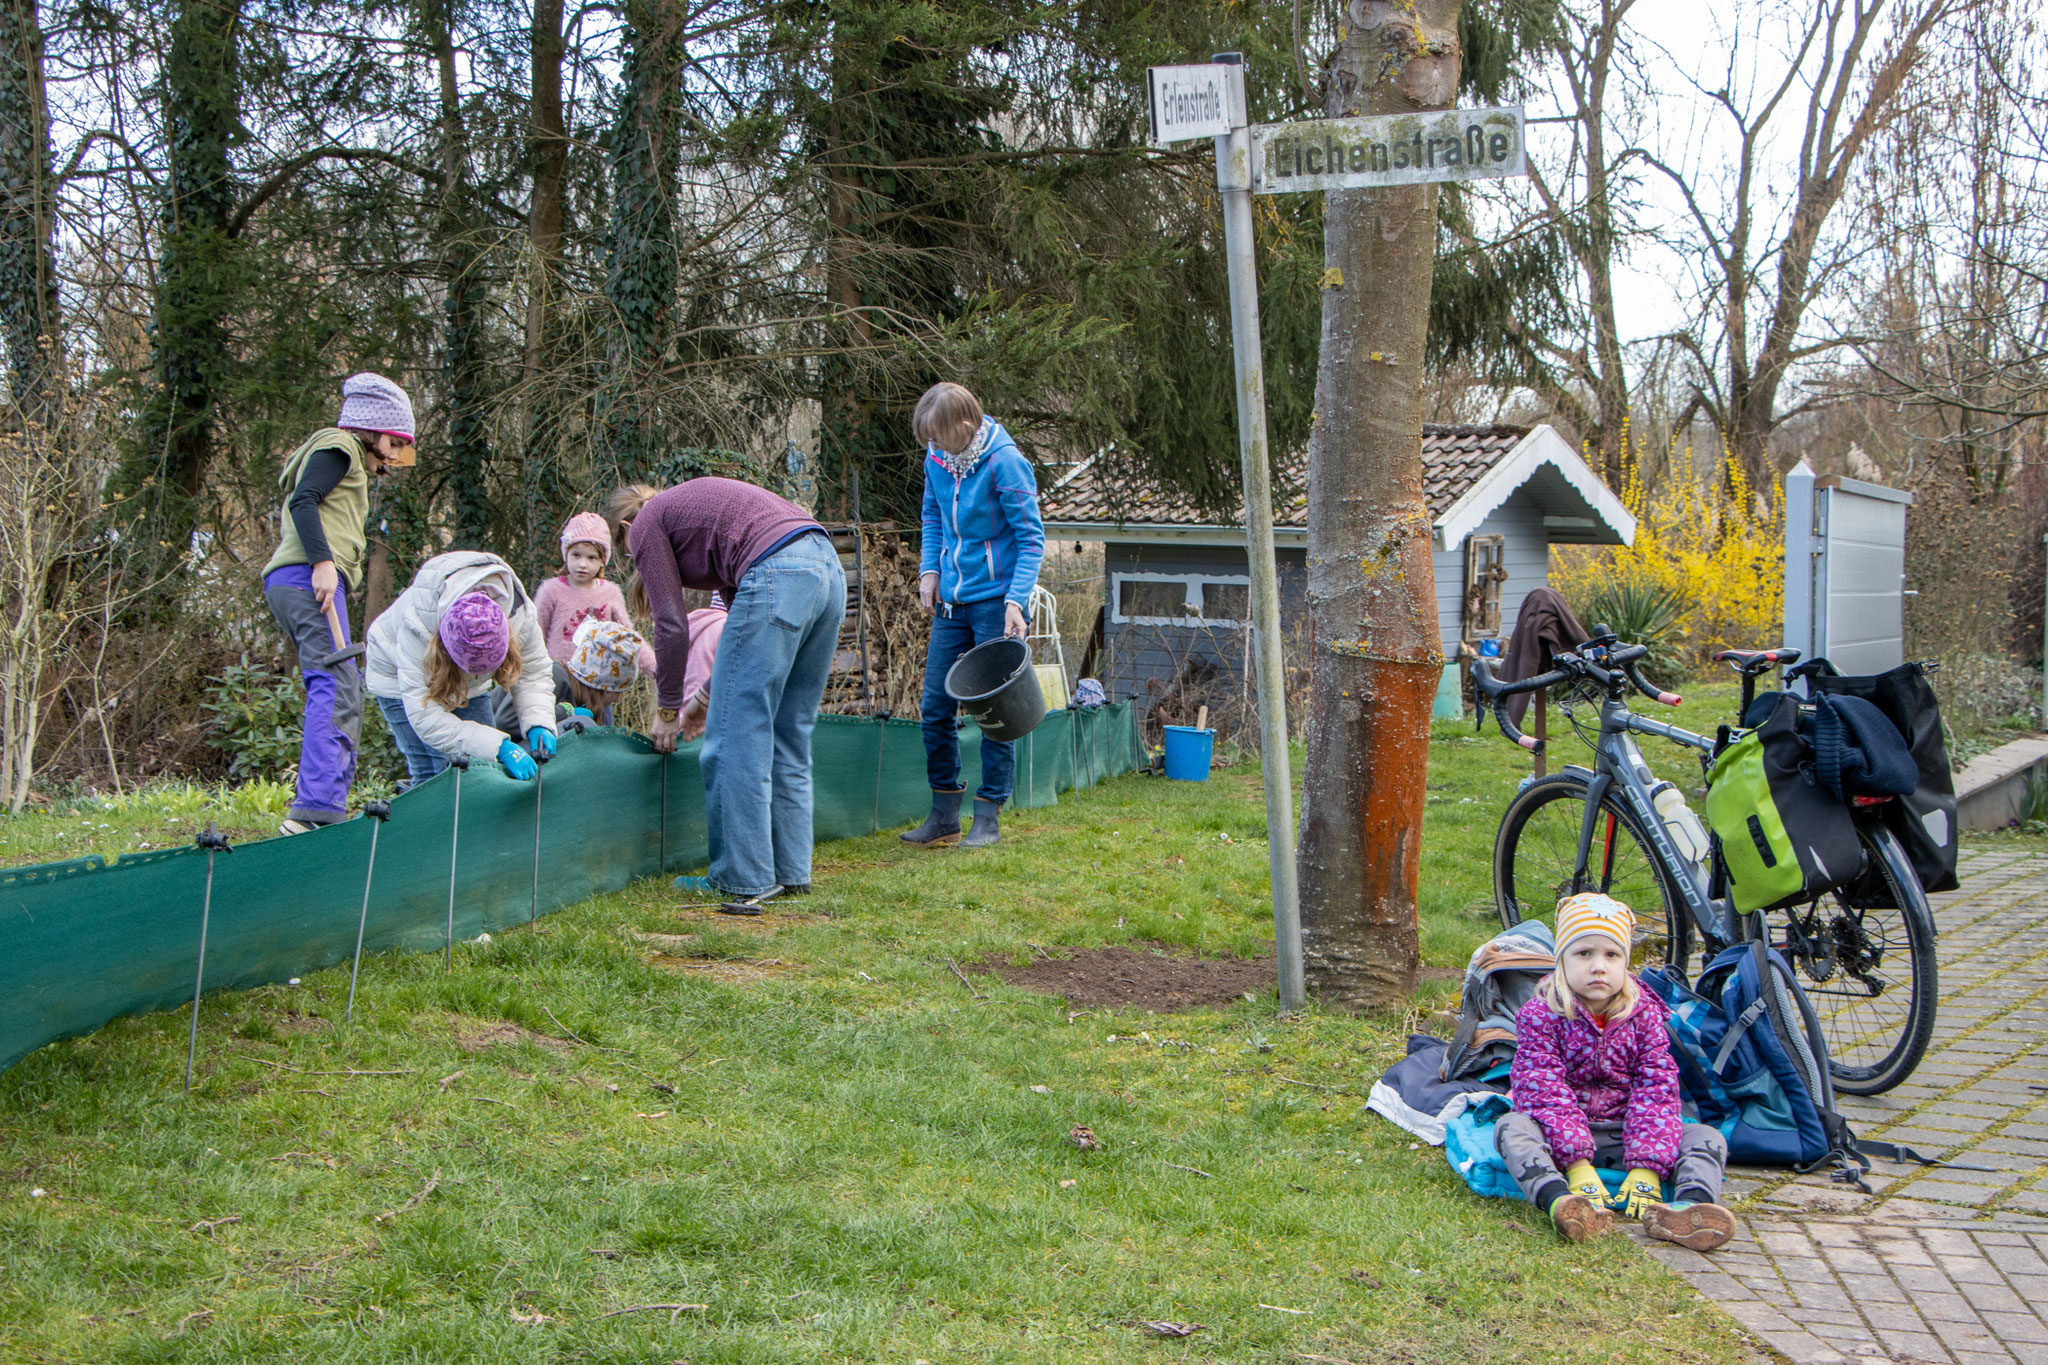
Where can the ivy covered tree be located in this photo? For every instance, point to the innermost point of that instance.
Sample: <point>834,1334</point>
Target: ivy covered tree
<point>640,241</point>
<point>28,268</point>
<point>199,272</point>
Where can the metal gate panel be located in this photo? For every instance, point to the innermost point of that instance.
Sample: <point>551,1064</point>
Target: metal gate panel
<point>1845,564</point>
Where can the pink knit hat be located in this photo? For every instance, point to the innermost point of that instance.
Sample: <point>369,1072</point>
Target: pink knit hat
<point>475,633</point>
<point>587,528</point>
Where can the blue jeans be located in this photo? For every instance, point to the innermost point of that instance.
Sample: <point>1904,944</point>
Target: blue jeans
<point>968,624</point>
<point>765,688</point>
<point>422,761</point>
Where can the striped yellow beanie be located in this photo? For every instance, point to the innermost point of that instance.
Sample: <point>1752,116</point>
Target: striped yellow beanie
<point>1591,912</point>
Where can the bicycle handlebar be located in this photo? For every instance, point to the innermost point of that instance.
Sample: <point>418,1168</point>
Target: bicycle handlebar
<point>1571,665</point>
<point>1651,690</point>
<point>1487,686</point>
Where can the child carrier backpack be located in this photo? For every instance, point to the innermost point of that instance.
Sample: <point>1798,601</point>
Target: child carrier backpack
<point>1436,1082</point>
<point>1924,817</point>
<point>1501,978</point>
<point>1752,1062</point>
<point>1784,836</point>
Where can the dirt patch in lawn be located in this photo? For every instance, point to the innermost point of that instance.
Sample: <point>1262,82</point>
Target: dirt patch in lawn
<point>472,1036</point>
<point>1142,975</point>
<point>734,970</point>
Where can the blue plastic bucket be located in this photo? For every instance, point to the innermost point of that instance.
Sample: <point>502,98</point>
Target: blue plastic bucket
<point>1188,752</point>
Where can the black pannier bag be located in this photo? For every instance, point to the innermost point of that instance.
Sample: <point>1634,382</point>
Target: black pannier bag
<point>1924,820</point>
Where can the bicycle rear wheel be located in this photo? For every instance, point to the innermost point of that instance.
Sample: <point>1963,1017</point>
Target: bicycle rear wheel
<point>1865,958</point>
<point>1536,853</point>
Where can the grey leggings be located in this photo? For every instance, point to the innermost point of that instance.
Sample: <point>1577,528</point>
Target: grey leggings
<point>1702,1156</point>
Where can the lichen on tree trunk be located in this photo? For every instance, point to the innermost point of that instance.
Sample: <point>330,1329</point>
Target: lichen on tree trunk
<point>1372,585</point>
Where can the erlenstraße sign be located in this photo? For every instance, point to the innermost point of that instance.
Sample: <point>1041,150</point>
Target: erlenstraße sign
<point>1388,149</point>
<point>1192,101</point>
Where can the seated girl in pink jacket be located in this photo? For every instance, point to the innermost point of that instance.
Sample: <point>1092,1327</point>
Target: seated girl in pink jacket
<point>1593,1082</point>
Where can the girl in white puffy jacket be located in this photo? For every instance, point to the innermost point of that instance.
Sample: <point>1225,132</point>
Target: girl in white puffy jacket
<point>465,624</point>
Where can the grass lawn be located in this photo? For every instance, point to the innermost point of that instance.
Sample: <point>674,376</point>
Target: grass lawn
<point>801,1138</point>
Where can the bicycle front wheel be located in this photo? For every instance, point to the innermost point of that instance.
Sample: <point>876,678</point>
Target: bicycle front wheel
<point>1865,958</point>
<point>1536,854</point>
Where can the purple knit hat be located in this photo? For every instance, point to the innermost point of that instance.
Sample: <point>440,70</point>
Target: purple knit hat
<point>587,528</point>
<point>370,402</point>
<point>475,633</point>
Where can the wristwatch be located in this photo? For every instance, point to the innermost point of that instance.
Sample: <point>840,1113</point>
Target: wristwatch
<point>665,713</point>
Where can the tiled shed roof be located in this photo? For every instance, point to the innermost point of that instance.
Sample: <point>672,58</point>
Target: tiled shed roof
<point>1453,459</point>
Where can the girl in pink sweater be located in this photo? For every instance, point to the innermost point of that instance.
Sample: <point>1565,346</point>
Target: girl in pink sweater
<point>581,592</point>
<point>1594,1084</point>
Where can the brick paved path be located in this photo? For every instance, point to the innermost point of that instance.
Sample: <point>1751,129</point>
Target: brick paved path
<point>1937,1265</point>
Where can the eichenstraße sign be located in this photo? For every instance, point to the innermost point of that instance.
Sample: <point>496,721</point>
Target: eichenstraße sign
<point>1387,149</point>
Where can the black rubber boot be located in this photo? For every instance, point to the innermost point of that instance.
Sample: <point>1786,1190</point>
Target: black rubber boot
<point>988,825</point>
<point>942,826</point>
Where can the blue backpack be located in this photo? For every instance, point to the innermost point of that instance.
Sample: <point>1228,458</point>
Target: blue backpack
<point>1750,1058</point>
<point>1752,1062</point>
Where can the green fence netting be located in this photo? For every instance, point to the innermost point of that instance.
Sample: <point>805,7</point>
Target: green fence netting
<point>88,941</point>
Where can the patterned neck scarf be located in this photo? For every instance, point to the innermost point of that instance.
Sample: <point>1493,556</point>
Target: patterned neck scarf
<point>961,465</point>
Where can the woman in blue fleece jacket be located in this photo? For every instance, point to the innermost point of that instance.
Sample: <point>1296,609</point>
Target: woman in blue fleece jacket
<point>983,543</point>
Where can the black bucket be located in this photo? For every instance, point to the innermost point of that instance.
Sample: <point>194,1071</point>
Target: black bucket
<point>995,684</point>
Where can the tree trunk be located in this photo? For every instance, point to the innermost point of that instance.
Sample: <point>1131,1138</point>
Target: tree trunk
<point>1610,388</point>
<point>640,280</point>
<point>463,300</point>
<point>198,271</point>
<point>547,152</point>
<point>1372,587</point>
<point>29,320</point>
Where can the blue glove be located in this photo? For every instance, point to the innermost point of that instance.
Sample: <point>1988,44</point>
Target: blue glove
<point>541,741</point>
<point>518,764</point>
<point>583,711</point>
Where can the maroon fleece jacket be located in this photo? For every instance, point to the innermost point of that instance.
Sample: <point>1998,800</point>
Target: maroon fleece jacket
<point>703,534</point>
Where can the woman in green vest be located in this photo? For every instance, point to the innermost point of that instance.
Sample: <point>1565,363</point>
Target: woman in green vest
<point>308,580</point>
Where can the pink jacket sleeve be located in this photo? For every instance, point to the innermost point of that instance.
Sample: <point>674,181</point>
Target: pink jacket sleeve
<point>1650,1131</point>
<point>1537,1085</point>
<point>615,605</point>
<point>544,608</point>
<point>706,627</point>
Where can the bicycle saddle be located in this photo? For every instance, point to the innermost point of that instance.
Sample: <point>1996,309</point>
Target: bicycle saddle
<point>1757,660</point>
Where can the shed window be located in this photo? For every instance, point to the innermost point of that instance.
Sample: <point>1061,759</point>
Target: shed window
<point>1161,599</point>
<point>1484,573</point>
<point>1227,602</point>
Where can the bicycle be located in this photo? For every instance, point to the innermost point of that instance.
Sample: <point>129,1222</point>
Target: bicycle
<point>1864,952</point>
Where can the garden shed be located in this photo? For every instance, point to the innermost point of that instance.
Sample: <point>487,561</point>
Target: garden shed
<point>1179,585</point>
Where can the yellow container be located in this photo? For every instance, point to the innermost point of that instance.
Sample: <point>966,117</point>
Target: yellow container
<point>1052,680</point>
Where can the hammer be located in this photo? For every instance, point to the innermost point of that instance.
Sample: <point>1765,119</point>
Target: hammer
<point>334,634</point>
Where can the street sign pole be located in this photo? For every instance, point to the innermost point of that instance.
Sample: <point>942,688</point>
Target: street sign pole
<point>1234,179</point>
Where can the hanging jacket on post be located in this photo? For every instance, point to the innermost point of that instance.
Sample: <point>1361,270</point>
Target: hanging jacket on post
<point>395,664</point>
<point>983,535</point>
<point>1544,628</point>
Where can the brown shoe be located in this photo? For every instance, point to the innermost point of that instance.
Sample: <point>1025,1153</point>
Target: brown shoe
<point>1696,1227</point>
<point>1580,1219</point>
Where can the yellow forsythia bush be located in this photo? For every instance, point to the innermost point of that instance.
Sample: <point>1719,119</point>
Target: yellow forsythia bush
<point>1705,536</point>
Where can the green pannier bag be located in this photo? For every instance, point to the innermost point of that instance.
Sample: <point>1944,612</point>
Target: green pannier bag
<point>1784,838</point>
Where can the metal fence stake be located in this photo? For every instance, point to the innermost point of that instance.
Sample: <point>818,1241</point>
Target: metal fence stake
<point>377,812</point>
<point>213,841</point>
<point>461,765</point>
<point>881,747</point>
<point>540,765</point>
